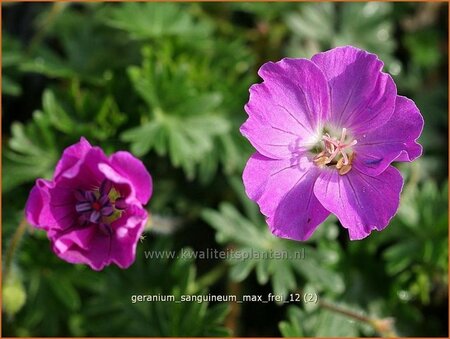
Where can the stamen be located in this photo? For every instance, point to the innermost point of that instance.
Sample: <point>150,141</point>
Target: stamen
<point>105,187</point>
<point>100,206</point>
<point>320,160</point>
<point>83,207</point>
<point>336,152</point>
<point>344,156</point>
<point>345,169</point>
<point>95,217</point>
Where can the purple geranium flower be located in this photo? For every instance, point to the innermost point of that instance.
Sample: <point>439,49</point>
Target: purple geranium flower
<point>92,208</point>
<point>326,131</point>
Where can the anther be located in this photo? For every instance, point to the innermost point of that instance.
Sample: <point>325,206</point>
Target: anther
<point>336,148</point>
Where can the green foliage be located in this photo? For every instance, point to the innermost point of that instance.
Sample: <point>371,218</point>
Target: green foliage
<point>89,301</point>
<point>86,47</point>
<point>255,240</point>
<point>184,122</point>
<point>317,27</point>
<point>418,256</point>
<point>319,323</point>
<point>412,259</point>
<point>12,57</point>
<point>33,148</point>
<point>168,82</point>
<point>32,152</point>
<point>146,21</point>
<point>154,277</point>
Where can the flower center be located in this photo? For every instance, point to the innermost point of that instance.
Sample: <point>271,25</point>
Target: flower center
<point>336,152</point>
<point>100,206</point>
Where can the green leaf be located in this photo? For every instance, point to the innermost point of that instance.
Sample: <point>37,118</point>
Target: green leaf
<point>283,280</point>
<point>149,277</point>
<point>31,154</point>
<point>10,87</point>
<point>65,292</point>
<point>241,270</point>
<point>283,271</point>
<point>321,26</point>
<point>321,323</point>
<point>184,124</point>
<point>155,20</point>
<point>12,57</point>
<point>58,117</point>
<point>292,327</point>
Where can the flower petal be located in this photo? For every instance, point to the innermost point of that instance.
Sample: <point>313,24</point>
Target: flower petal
<point>85,174</point>
<point>361,203</point>
<point>98,248</point>
<point>62,206</point>
<point>121,183</point>
<point>287,110</point>
<point>37,208</point>
<point>94,250</point>
<point>134,170</point>
<point>362,98</point>
<point>80,195</point>
<point>394,141</point>
<point>284,193</point>
<point>71,156</point>
<point>128,232</point>
<point>73,238</point>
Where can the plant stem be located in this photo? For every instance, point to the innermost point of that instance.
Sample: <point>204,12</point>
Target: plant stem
<point>15,240</point>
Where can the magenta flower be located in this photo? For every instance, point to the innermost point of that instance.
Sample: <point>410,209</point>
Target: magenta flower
<point>326,132</point>
<point>92,208</point>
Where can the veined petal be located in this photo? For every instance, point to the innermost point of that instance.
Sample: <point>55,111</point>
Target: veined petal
<point>121,182</point>
<point>287,110</point>
<point>37,208</point>
<point>394,141</point>
<point>85,174</point>
<point>97,248</point>
<point>361,203</point>
<point>71,156</point>
<point>362,98</point>
<point>128,232</point>
<point>135,171</point>
<point>95,251</point>
<point>283,190</point>
<point>75,237</point>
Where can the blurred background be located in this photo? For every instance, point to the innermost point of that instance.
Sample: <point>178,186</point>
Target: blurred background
<point>168,82</point>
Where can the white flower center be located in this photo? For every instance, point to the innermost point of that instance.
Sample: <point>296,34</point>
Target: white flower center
<point>336,152</point>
